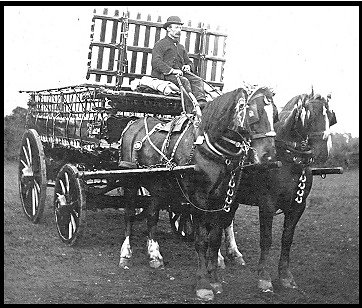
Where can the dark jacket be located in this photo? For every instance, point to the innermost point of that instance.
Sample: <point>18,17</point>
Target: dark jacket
<point>166,55</point>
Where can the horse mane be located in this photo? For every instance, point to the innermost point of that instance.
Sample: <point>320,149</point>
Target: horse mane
<point>267,91</point>
<point>218,113</point>
<point>289,107</point>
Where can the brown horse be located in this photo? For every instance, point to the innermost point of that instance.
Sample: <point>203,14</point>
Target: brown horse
<point>233,131</point>
<point>302,138</point>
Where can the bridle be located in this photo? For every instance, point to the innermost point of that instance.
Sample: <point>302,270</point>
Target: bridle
<point>301,150</point>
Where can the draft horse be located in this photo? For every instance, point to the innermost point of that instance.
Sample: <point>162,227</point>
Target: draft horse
<point>303,137</point>
<point>233,131</point>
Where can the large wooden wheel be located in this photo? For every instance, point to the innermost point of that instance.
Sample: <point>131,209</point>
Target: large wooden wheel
<point>32,178</point>
<point>182,224</point>
<point>69,204</point>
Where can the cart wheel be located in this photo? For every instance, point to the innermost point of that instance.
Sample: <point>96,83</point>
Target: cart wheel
<point>182,224</point>
<point>32,178</point>
<point>69,204</point>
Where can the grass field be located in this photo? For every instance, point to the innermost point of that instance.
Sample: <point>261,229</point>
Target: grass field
<point>39,268</point>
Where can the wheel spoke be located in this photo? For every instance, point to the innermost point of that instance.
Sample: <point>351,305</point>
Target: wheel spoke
<point>24,164</point>
<point>66,181</point>
<point>37,185</point>
<point>70,230</point>
<point>30,156</point>
<point>174,218</point>
<point>36,197</point>
<point>62,185</point>
<point>182,228</point>
<point>26,156</point>
<point>72,220</point>
<point>176,223</point>
<point>33,201</point>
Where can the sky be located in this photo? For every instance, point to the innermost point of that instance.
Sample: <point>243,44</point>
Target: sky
<point>290,48</point>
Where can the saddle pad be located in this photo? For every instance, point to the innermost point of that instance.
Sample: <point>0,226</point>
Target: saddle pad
<point>177,123</point>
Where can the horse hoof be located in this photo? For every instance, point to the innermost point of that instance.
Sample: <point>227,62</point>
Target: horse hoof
<point>205,294</point>
<point>265,286</point>
<point>288,283</point>
<point>217,287</point>
<point>239,260</point>
<point>125,263</point>
<point>155,263</point>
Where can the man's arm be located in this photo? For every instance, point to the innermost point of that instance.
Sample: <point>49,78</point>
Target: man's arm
<point>187,62</point>
<point>157,62</point>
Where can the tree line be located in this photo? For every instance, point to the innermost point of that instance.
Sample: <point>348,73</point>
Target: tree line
<point>344,153</point>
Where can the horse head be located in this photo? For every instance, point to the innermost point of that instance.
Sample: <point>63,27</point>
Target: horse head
<point>318,120</point>
<point>304,127</point>
<point>261,114</point>
<point>236,119</point>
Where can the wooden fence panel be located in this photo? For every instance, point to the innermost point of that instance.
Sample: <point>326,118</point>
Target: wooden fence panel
<point>115,58</point>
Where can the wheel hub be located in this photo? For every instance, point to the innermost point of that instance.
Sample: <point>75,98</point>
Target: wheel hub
<point>27,172</point>
<point>61,200</point>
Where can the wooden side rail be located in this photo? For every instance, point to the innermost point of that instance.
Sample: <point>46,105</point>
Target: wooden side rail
<point>104,174</point>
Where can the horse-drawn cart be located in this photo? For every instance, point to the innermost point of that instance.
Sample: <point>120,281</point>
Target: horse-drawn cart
<point>71,142</point>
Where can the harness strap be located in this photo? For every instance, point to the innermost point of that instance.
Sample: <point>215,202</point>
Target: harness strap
<point>179,140</point>
<point>151,143</point>
<point>167,140</point>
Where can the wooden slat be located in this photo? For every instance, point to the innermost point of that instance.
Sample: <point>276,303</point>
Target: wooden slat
<point>187,41</point>
<point>198,45</point>
<point>205,52</point>
<point>101,49</point>
<point>113,50</point>
<point>146,44</point>
<point>158,30</point>
<point>135,43</point>
<point>223,62</point>
<point>215,51</point>
<point>106,18</point>
<point>90,46</point>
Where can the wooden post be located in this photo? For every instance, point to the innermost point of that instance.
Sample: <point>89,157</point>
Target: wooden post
<point>113,49</point>
<point>90,46</point>
<point>146,44</point>
<point>101,48</point>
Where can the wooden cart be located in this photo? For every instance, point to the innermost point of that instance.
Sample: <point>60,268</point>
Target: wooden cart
<point>71,141</point>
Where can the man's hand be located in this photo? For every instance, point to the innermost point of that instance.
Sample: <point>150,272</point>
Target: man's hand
<point>186,68</point>
<point>176,72</point>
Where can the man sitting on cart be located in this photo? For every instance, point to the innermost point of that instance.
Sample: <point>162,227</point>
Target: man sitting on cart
<point>170,59</point>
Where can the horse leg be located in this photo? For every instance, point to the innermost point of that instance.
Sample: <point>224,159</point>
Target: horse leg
<point>232,251</point>
<point>291,219</point>
<point>204,289</point>
<point>220,260</point>
<point>215,236</point>
<point>153,249</point>
<point>266,225</point>
<point>126,251</point>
